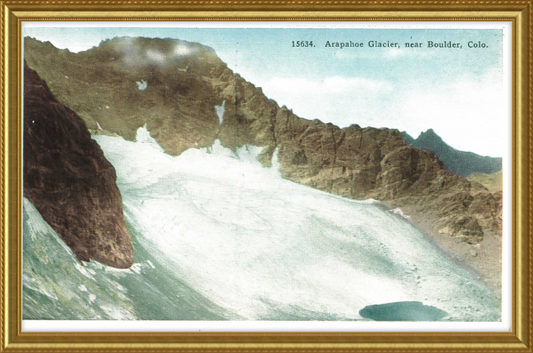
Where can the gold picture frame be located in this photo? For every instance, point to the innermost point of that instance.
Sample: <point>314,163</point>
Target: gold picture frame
<point>519,13</point>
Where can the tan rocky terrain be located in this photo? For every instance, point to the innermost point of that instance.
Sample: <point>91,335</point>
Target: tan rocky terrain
<point>493,182</point>
<point>185,81</point>
<point>69,181</point>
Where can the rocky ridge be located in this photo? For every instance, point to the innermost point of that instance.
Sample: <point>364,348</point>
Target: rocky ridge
<point>69,181</point>
<point>185,81</point>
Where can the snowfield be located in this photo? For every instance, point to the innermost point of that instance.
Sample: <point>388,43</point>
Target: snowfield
<point>219,237</point>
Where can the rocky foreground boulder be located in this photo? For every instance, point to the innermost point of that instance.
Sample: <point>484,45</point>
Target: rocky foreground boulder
<point>69,181</point>
<point>173,86</point>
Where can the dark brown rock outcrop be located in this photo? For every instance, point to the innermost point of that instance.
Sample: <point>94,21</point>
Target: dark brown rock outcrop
<point>69,181</point>
<point>178,108</point>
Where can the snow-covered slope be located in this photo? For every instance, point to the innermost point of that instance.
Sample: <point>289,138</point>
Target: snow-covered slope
<point>217,236</point>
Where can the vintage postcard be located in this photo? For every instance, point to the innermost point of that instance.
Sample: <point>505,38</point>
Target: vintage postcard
<point>284,174</point>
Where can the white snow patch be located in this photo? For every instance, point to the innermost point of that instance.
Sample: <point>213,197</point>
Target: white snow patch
<point>117,313</point>
<point>98,126</point>
<point>399,212</point>
<point>118,272</point>
<point>136,268</point>
<point>84,271</point>
<point>143,136</point>
<point>141,85</point>
<point>82,288</point>
<point>120,287</point>
<point>246,153</point>
<point>220,109</point>
<point>275,162</point>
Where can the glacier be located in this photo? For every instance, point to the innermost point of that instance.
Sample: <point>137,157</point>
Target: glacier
<point>217,236</point>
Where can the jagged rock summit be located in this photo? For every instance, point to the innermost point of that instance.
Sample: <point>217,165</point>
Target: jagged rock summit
<point>173,87</point>
<point>463,163</point>
<point>69,181</point>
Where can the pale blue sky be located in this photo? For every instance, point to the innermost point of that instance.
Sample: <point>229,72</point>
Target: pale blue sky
<point>457,92</point>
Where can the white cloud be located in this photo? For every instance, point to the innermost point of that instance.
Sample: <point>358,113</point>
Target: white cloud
<point>340,100</point>
<point>394,52</point>
<point>130,52</point>
<point>389,54</point>
<point>337,84</point>
<point>468,113</point>
<point>182,50</point>
<point>330,85</point>
<point>155,56</point>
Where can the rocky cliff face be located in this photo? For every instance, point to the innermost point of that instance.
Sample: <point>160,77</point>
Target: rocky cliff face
<point>69,181</point>
<point>184,81</point>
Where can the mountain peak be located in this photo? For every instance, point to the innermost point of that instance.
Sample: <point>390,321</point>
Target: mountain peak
<point>464,163</point>
<point>430,133</point>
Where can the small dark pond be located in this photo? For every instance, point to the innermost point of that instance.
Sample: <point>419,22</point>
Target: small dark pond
<point>402,311</point>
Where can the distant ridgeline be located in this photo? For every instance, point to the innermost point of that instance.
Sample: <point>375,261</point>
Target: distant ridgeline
<point>173,87</point>
<point>464,163</point>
